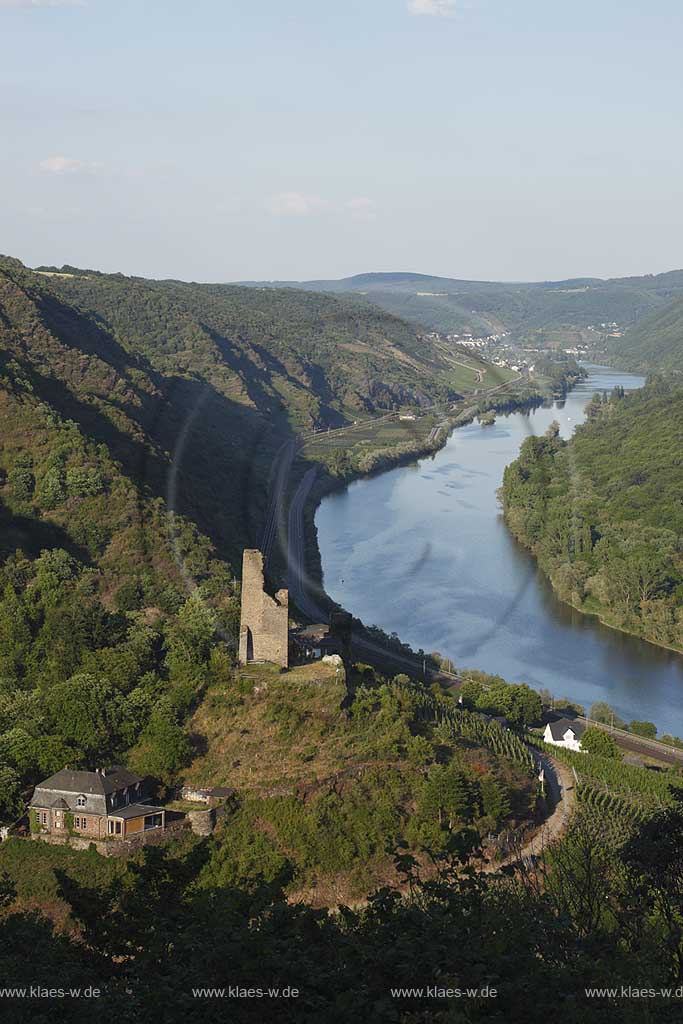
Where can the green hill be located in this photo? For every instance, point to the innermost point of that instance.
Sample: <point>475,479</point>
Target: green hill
<point>602,512</point>
<point>451,305</point>
<point>194,387</point>
<point>654,344</point>
<point>310,359</point>
<point>139,421</point>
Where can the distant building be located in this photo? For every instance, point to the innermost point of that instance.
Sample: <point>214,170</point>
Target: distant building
<point>264,620</point>
<point>107,803</point>
<point>564,733</point>
<point>313,642</point>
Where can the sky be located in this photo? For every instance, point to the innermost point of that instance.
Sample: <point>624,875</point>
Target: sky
<point>222,140</point>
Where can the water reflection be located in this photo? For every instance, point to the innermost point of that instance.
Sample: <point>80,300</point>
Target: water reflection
<point>423,551</point>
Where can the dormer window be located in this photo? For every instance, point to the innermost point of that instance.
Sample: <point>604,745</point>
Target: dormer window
<point>80,801</point>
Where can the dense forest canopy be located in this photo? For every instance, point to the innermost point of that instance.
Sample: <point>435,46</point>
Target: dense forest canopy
<point>603,512</point>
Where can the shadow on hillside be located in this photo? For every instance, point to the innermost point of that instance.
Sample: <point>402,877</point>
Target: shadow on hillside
<point>32,535</point>
<point>177,437</point>
<point>82,331</point>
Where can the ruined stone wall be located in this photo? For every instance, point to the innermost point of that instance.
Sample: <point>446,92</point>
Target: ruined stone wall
<point>264,620</point>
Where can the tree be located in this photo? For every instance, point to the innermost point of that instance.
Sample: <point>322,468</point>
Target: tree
<point>494,799</point>
<point>85,711</point>
<point>339,463</point>
<point>51,489</point>
<point>602,712</point>
<point>524,706</point>
<point>597,741</point>
<point>654,859</point>
<point>447,796</point>
<point>189,638</point>
<point>470,691</point>
<point>10,793</point>
<point>648,729</point>
<point>15,634</point>
<point>164,747</point>
<point>22,483</point>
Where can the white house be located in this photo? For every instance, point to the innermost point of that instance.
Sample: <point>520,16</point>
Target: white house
<point>564,733</point>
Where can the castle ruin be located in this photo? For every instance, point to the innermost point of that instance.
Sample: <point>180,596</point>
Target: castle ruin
<point>264,632</point>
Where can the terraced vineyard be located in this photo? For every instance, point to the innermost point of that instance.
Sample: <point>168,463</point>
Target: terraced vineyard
<point>622,795</point>
<point>470,726</point>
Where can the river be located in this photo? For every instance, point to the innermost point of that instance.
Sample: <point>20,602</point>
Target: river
<point>423,551</point>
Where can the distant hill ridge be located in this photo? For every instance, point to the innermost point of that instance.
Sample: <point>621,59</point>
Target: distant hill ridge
<point>490,306</point>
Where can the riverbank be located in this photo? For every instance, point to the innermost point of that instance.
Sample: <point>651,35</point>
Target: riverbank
<point>422,551</point>
<point>386,459</point>
<point>600,513</point>
<point>601,617</point>
<point>306,583</point>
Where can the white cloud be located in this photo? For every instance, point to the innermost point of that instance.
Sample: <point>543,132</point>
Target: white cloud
<point>67,165</point>
<point>42,3</point>
<point>296,203</point>
<point>432,8</point>
<point>361,208</point>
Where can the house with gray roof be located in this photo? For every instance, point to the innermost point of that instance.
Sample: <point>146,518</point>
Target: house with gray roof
<point>564,732</point>
<point>107,803</point>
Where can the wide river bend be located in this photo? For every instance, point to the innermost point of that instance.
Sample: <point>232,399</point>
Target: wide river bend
<point>423,551</point>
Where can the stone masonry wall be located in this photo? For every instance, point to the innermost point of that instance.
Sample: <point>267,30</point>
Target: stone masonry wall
<point>264,623</point>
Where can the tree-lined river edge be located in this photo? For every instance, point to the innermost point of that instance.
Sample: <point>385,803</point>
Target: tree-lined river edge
<point>422,551</point>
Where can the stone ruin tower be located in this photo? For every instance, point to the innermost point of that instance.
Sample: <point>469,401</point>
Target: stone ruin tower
<point>264,623</point>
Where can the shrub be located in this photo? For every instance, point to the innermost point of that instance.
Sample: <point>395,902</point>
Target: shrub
<point>596,741</point>
<point>648,729</point>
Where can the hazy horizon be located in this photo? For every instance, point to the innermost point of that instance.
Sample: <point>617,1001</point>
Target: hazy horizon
<point>235,141</point>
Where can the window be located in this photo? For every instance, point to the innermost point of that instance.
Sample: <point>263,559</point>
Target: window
<point>114,828</point>
<point>80,822</point>
<point>80,801</point>
<point>43,817</point>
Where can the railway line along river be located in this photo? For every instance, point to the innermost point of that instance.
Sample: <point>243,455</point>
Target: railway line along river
<point>423,551</point>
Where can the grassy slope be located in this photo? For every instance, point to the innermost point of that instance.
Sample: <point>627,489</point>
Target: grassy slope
<point>329,787</point>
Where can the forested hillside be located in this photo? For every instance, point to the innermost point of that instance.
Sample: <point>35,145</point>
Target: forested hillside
<point>103,641</point>
<point>602,512</point>
<point>138,426</point>
<point>654,344</point>
<point>310,359</point>
<point>138,421</point>
<point>447,304</point>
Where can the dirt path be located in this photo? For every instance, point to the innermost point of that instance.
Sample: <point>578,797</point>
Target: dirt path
<point>561,784</point>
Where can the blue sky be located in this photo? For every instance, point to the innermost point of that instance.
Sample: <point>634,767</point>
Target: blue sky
<point>238,139</point>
